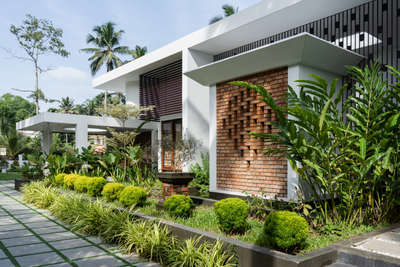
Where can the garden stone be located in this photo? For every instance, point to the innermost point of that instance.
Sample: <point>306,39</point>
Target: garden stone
<point>54,229</point>
<point>2,255</point>
<point>59,236</point>
<point>26,240</point>
<point>29,249</point>
<point>6,263</point>
<point>12,227</point>
<point>39,259</point>
<point>102,261</point>
<point>13,234</point>
<point>72,243</point>
<point>41,224</point>
<point>85,252</point>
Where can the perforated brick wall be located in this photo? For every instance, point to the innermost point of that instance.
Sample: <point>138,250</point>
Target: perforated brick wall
<point>241,163</point>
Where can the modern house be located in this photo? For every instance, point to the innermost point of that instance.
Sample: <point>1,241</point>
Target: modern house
<point>273,43</point>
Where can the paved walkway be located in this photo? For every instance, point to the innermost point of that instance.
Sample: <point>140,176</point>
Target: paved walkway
<point>32,237</point>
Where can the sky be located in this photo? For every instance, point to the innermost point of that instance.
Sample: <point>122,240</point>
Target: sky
<point>151,23</point>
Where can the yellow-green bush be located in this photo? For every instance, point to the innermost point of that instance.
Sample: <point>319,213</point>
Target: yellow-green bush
<point>285,231</point>
<point>69,180</point>
<point>59,178</point>
<point>232,215</point>
<point>95,185</point>
<point>81,183</point>
<point>111,191</point>
<point>132,195</point>
<point>179,205</point>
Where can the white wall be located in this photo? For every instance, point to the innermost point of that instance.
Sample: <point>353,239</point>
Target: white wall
<point>195,102</point>
<point>132,93</point>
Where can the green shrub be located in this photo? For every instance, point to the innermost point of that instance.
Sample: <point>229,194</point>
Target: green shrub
<point>39,194</point>
<point>179,205</point>
<point>69,180</point>
<point>81,183</point>
<point>95,185</point>
<point>132,195</point>
<point>111,191</point>
<point>285,231</point>
<point>59,178</point>
<point>232,215</point>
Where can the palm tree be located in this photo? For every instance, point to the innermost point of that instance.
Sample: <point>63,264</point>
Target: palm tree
<point>139,51</point>
<point>106,41</point>
<point>229,10</point>
<point>15,145</point>
<point>66,105</point>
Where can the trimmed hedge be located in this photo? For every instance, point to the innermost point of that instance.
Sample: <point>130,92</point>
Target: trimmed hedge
<point>179,205</point>
<point>70,179</point>
<point>111,191</point>
<point>95,186</point>
<point>286,231</point>
<point>59,178</point>
<point>81,183</point>
<point>132,195</point>
<point>232,215</point>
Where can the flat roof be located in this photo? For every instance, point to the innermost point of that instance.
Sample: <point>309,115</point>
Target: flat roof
<point>264,19</point>
<point>305,49</point>
<point>59,122</point>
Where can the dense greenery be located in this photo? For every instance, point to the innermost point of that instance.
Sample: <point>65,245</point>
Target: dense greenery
<point>347,158</point>
<point>179,205</point>
<point>112,191</point>
<point>12,110</point>
<point>285,231</point>
<point>132,195</point>
<point>201,172</point>
<point>148,239</point>
<point>232,215</point>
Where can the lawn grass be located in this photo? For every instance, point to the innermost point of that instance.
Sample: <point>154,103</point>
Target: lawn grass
<point>10,176</point>
<point>205,219</point>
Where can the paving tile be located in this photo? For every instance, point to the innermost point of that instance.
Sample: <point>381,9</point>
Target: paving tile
<point>6,263</point>
<point>59,236</point>
<point>132,258</point>
<point>37,218</point>
<point>95,239</point>
<point>7,221</point>
<point>2,255</point>
<point>72,243</point>
<point>392,237</point>
<point>60,265</point>
<point>39,259</point>
<point>48,230</point>
<point>84,252</point>
<point>148,264</point>
<point>13,234</point>
<point>102,261</point>
<point>35,225</point>
<point>29,249</point>
<point>21,211</point>
<point>380,247</point>
<point>11,227</point>
<point>26,240</point>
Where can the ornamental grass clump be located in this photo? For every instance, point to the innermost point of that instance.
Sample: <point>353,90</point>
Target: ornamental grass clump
<point>39,194</point>
<point>112,191</point>
<point>69,180</point>
<point>59,179</point>
<point>285,231</point>
<point>95,185</point>
<point>232,215</point>
<point>132,195</point>
<point>179,206</point>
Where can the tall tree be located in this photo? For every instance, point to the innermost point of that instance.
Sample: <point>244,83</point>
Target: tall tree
<point>229,10</point>
<point>13,109</point>
<point>66,105</point>
<point>106,41</point>
<point>38,37</point>
<point>139,51</point>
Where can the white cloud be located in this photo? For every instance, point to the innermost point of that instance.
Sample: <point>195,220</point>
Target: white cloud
<point>68,75</point>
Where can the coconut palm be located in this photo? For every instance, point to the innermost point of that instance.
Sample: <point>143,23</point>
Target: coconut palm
<point>139,51</point>
<point>15,145</point>
<point>106,41</point>
<point>229,10</point>
<point>66,105</point>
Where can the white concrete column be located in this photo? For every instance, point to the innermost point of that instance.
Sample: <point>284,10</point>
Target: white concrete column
<point>195,103</point>
<point>213,138</point>
<point>155,148</point>
<point>81,134</point>
<point>46,140</point>
<point>132,93</point>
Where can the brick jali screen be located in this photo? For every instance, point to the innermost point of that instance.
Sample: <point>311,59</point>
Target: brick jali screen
<point>241,163</point>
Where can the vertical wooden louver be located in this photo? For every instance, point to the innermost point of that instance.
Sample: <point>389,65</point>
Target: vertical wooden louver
<point>162,88</point>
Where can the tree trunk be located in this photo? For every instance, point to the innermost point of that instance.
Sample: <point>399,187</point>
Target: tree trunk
<point>36,91</point>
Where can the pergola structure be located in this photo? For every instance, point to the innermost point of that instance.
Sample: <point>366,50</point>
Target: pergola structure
<point>48,123</point>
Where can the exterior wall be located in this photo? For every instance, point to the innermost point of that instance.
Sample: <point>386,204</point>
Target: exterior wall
<point>241,164</point>
<point>195,101</point>
<point>132,93</point>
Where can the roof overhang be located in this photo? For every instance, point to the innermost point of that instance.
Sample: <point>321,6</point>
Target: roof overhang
<point>65,123</point>
<point>303,49</point>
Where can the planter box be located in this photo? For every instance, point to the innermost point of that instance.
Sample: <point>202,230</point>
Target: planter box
<point>19,182</point>
<point>175,183</point>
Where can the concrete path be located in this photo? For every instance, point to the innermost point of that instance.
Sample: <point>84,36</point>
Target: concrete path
<point>387,244</point>
<point>32,237</point>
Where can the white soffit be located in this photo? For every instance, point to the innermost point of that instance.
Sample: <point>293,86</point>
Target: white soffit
<point>304,49</point>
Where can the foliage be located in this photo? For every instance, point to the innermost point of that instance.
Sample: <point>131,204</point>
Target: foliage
<point>201,172</point>
<point>15,145</point>
<point>69,180</point>
<point>179,205</point>
<point>111,191</point>
<point>132,195</point>
<point>285,230</point>
<point>228,11</point>
<point>260,204</point>
<point>81,183</point>
<point>95,186</point>
<point>232,215</point>
<point>40,194</point>
<point>346,157</point>
<point>139,52</point>
<point>59,178</point>
<point>13,109</point>
<point>38,37</point>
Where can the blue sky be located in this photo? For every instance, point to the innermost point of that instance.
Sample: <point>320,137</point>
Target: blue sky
<point>151,23</point>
